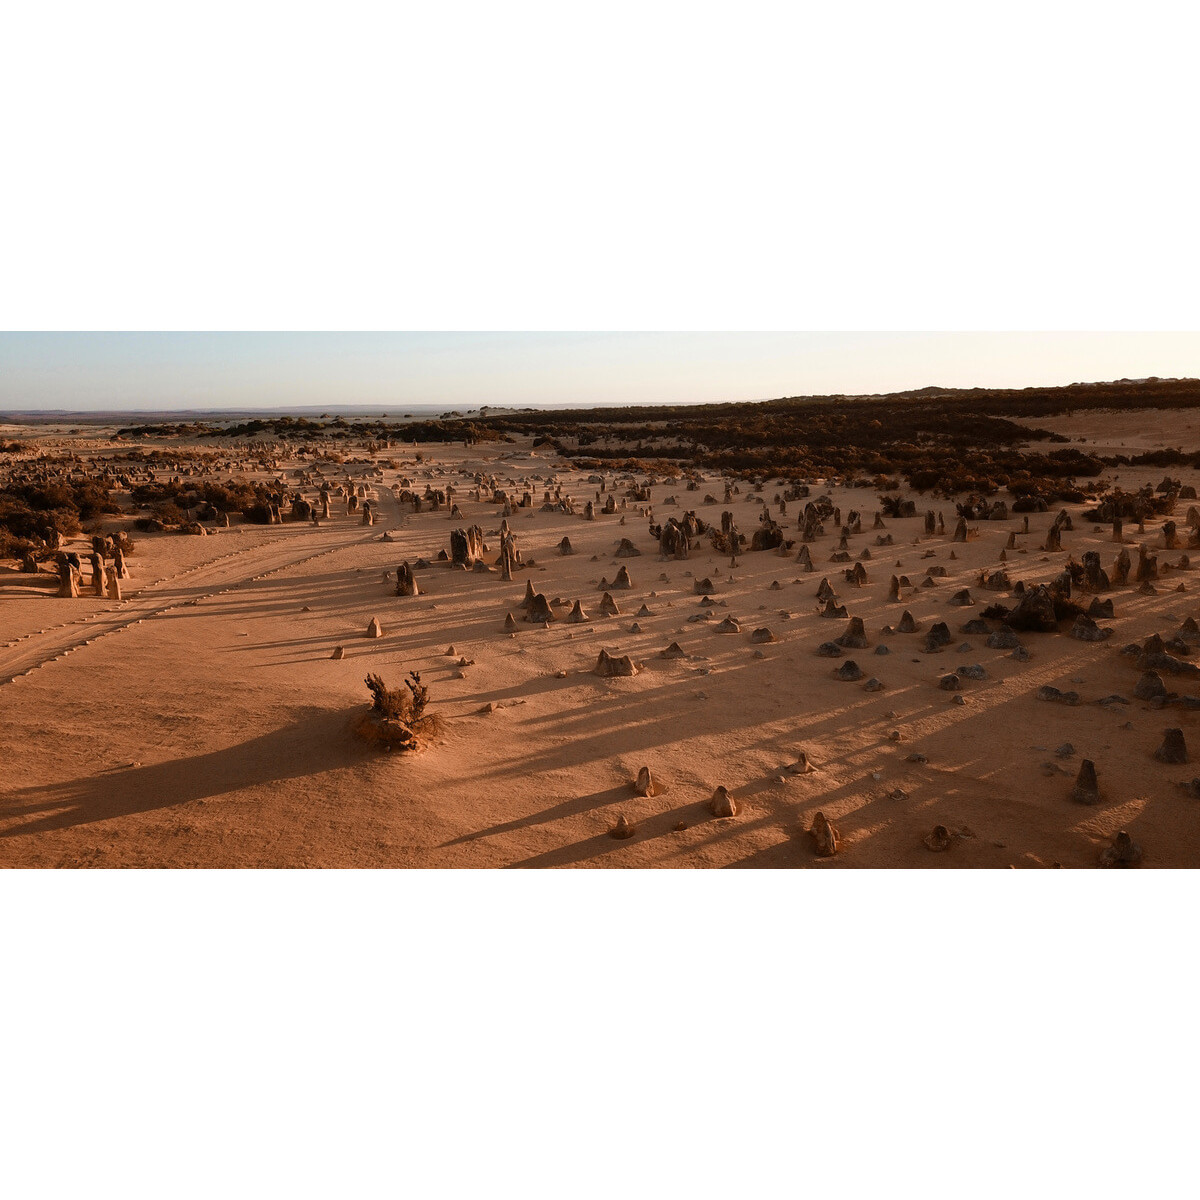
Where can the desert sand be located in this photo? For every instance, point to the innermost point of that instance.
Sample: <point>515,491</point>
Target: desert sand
<point>202,720</point>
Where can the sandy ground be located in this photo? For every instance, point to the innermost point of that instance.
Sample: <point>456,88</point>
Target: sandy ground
<point>202,723</point>
<point>1107,431</point>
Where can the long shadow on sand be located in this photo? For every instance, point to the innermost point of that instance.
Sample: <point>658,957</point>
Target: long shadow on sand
<point>568,808</point>
<point>303,747</point>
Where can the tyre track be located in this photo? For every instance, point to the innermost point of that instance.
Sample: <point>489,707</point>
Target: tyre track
<point>34,651</point>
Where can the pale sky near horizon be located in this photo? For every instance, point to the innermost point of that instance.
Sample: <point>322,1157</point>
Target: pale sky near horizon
<point>90,371</point>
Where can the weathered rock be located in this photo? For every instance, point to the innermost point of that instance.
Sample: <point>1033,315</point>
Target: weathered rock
<point>1160,661</point>
<point>1035,612</point>
<point>1086,630</point>
<point>674,650</point>
<point>857,575</point>
<point>950,683</point>
<point>406,584</point>
<point>1086,789</point>
<point>540,610</point>
<point>622,829</point>
<point>622,580</point>
<point>1124,852</point>
<point>1095,578</point>
<point>939,838</point>
<point>1052,695</point>
<point>762,636</point>
<point>338,652</point>
<point>608,606</point>
<point>1150,687</point>
<point>855,637</point>
<point>826,839</point>
<point>1121,568</point>
<point>937,637</point>
<point>849,671</point>
<point>610,666</point>
<point>907,624</point>
<point>577,615</point>
<point>644,784</point>
<point>722,803</point>
<point>374,629</point>
<point>1173,750</point>
<point>1003,639</point>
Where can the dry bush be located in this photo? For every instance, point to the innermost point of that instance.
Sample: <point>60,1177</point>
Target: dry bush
<point>258,514</point>
<point>396,720</point>
<point>168,513</point>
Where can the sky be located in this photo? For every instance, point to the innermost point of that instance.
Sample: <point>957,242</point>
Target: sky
<point>123,371</point>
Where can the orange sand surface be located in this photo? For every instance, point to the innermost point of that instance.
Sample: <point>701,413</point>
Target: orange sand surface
<point>201,721</point>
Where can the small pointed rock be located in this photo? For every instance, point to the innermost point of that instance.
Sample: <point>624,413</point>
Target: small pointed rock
<point>722,803</point>
<point>938,838</point>
<point>644,784</point>
<point>1124,852</point>
<point>1086,789</point>
<point>826,838</point>
<point>1172,749</point>
<point>622,829</point>
<point>610,665</point>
